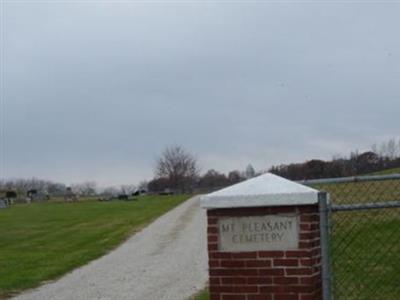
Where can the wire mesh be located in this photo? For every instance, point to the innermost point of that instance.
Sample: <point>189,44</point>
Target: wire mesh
<point>364,238</point>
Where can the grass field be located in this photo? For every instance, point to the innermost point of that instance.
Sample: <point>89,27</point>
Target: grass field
<point>387,172</point>
<point>43,241</point>
<point>365,245</point>
<point>203,295</point>
<point>362,192</point>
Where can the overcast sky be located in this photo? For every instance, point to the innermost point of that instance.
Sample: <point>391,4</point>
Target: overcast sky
<point>94,91</point>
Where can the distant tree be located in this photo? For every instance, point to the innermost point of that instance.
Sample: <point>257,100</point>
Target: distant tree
<point>334,168</point>
<point>127,189</point>
<point>56,189</point>
<point>143,185</point>
<point>388,153</point>
<point>22,186</point>
<point>391,149</point>
<point>235,177</point>
<point>375,148</point>
<point>212,179</point>
<point>398,149</point>
<point>87,188</point>
<point>158,185</point>
<point>110,192</point>
<point>250,172</point>
<point>314,169</point>
<point>179,167</point>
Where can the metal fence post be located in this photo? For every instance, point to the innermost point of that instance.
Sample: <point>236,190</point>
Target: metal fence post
<point>324,234</point>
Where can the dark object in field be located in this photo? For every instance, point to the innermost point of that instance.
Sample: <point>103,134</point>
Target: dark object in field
<point>139,192</point>
<point>11,194</point>
<point>166,193</point>
<point>31,193</point>
<point>123,197</point>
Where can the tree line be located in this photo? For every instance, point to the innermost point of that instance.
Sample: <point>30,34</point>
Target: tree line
<point>177,168</point>
<point>22,186</point>
<point>42,187</point>
<point>177,171</point>
<point>380,157</point>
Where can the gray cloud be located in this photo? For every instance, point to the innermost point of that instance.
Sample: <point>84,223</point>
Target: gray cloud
<point>95,90</point>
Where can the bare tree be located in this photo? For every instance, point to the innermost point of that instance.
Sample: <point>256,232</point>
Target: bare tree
<point>250,172</point>
<point>391,149</point>
<point>127,189</point>
<point>213,179</point>
<point>22,186</point>
<point>374,149</point>
<point>179,167</point>
<point>235,177</point>
<point>398,149</point>
<point>87,188</point>
<point>110,191</point>
<point>388,149</point>
<point>143,185</point>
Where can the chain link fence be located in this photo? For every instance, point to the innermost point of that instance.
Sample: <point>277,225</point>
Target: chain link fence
<point>364,241</point>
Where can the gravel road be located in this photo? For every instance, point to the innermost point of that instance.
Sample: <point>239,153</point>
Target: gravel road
<point>165,261</point>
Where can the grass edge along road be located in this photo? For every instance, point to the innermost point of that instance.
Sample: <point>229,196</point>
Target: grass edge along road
<point>202,295</point>
<point>43,241</point>
<point>387,172</point>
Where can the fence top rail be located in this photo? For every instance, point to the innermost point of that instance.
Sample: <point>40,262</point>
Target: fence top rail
<point>351,179</point>
<point>364,206</point>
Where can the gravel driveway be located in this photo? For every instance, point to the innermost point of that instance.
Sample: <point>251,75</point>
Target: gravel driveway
<point>166,260</point>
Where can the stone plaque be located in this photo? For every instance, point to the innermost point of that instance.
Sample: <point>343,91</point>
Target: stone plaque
<point>258,233</point>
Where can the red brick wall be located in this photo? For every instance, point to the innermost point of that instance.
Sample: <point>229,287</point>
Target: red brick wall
<point>267,275</point>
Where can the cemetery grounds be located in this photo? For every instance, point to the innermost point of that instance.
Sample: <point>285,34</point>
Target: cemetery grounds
<point>43,241</point>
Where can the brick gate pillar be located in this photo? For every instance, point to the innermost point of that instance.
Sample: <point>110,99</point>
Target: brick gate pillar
<point>264,241</point>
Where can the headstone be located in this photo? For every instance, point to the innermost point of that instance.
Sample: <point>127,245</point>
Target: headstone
<point>3,203</point>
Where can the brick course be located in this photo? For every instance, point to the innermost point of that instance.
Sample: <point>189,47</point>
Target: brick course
<point>267,275</point>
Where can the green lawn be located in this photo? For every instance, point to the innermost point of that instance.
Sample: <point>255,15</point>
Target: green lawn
<point>361,192</point>
<point>203,295</point>
<point>365,245</point>
<point>42,241</point>
<point>387,172</point>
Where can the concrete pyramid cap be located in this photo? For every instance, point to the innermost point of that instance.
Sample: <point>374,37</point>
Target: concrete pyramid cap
<point>264,190</point>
